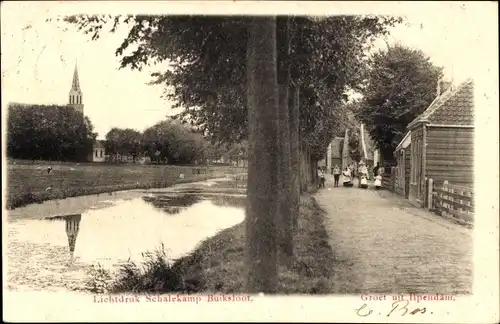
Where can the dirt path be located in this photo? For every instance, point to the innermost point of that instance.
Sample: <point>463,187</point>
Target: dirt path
<point>383,245</point>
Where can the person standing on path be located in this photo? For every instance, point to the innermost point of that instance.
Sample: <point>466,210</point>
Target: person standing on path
<point>336,175</point>
<point>321,176</point>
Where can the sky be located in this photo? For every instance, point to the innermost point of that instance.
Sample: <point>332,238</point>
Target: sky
<point>38,60</point>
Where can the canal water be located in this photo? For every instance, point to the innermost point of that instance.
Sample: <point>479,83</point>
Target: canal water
<point>55,252</point>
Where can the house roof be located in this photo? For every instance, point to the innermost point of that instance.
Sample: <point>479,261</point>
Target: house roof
<point>98,144</point>
<point>404,142</point>
<point>454,107</point>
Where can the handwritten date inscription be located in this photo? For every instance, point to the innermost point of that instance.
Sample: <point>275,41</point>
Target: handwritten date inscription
<point>400,307</point>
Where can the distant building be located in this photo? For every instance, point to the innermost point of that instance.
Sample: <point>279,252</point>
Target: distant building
<point>98,153</point>
<point>333,154</point>
<point>75,101</point>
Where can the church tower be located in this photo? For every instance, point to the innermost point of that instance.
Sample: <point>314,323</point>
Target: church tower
<point>75,94</point>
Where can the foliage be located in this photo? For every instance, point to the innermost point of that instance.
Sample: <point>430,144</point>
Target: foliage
<point>167,140</point>
<point>401,85</point>
<point>155,274</point>
<point>98,279</point>
<point>207,55</point>
<point>48,132</point>
<point>355,144</point>
<point>123,141</point>
<point>175,142</point>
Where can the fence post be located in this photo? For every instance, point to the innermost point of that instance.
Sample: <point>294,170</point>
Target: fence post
<point>393,179</point>
<point>430,189</point>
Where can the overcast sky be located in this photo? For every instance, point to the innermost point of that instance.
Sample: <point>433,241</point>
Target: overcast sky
<point>38,58</point>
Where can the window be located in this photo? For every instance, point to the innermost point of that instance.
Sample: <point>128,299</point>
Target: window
<point>101,153</point>
<point>96,153</point>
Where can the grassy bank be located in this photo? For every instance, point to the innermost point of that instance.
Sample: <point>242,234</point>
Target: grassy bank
<point>30,183</point>
<point>217,265</point>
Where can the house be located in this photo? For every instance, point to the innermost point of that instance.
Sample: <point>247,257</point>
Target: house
<point>442,141</point>
<point>403,167</point>
<point>336,151</point>
<point>333,154</point>
<point>98,153</point>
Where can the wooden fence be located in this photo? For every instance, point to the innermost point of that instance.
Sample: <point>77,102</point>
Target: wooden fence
<point>451,200</point>
<point>445,199</point>
<point>389,180</point>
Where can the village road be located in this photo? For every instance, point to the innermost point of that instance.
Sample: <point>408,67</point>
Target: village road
<point>382,244</point>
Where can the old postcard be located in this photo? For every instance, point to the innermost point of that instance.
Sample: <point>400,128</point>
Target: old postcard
<point>250,161</point>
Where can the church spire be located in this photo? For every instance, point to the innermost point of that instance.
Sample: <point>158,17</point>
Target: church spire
<point>75,86</point>
<point>75,94</point>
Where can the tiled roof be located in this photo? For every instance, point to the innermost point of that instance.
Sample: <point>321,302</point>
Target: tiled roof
<point>451,108</point>
<point>404,142</point>
<point>98,144</point>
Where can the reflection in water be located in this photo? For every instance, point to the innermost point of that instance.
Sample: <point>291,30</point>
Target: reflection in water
<point>172,204</point>
<point>72,227</point>
<point>117,231</point>
<point>112,235</point>
<point>172,210</point>
<point>237,201</point>
<point>129,228</point>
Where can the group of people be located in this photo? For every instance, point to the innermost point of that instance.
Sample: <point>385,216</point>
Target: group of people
<point>348,175</point>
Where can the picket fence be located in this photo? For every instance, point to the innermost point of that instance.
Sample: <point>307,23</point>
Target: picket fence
<point>452,200</point>
<point>445,199</point>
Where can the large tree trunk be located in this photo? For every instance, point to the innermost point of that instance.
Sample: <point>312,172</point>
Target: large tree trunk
<point>303,167</point>
<point>262,189</point>
<point>294,153</point>
<point>285,227</point>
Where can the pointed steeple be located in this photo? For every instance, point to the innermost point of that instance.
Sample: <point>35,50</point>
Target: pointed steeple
<point>75,94</point>
<point>75,86</point>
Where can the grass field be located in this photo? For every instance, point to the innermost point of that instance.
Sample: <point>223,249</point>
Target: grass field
<point>28,182</point>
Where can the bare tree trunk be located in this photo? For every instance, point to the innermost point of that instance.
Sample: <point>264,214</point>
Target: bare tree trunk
<point>285,227</point>
<point>262,189</point>
<point>294,153</point>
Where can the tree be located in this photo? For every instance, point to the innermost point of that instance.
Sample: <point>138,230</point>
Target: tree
<point>210,64</point>
<point>354,144</point>
<point>174,142</point>
<point>48,132</point>
<point>285,218</point>
<point>401,85</point>
<point>124,141</point>
<point>207,79</point>
<point>263,164</point>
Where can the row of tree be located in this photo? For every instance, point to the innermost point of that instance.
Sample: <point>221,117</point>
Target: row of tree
<point>167,140</point>
<point>43,132</point>
<point>170,141</point>
<point>61,133</point>
<point>279,82</point>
